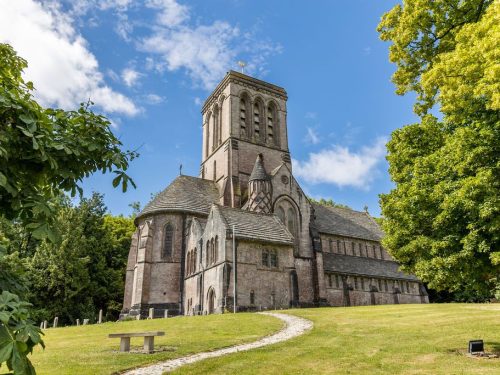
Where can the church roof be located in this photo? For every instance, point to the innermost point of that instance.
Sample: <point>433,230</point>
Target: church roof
<point>258,172</point>
<point>346,222</point>
<point>364,266</point>
<point>184,194</point>
<point>256,226</point>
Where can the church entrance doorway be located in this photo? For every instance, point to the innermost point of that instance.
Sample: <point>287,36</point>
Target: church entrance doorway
<point>211,301</point>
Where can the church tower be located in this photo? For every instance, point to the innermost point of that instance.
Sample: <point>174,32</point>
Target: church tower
<point>242,118</point>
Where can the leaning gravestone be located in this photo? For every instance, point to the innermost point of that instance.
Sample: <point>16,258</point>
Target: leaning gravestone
<point>56,321</point>
<point>165,313</point>
<point>100,316</point>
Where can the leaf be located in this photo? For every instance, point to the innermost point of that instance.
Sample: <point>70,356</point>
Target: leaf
<point>116,180</point>
<point>3,179</point>
<point>26,119</point>
<point>6,344</point>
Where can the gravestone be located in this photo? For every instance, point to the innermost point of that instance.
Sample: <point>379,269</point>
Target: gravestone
<point>45,324</point>
<point>41,325</point>
<point>138,317</point>
<point>85,322</point>
<point>100,317</point>
<point>165,313</point>
<point>151,313</point>
<point>78,322</point>
<point>56,321</point>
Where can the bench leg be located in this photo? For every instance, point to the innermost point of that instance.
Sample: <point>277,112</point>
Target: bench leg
<point>149,344</point>
<point>125,344</point>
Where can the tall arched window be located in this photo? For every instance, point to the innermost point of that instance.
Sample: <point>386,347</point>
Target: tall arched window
<point>168,240</point>
<point>272,124</point>
<point>243,117</point>
<point>207,135</point>
<point>256,121</point>
<point>219,121</point>
<point>207,256</point>
<point>212,249</point>
<point>292,221</point>
<point>281,214</point>
<point>216,249</point>
<point>215,122</point>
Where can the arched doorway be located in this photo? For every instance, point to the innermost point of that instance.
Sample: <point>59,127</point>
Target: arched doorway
<point>211,301</point>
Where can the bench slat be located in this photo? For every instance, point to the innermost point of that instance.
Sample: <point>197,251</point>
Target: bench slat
<point>136,334</point>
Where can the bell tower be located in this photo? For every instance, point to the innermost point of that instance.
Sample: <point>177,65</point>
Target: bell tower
<point>242,118</point>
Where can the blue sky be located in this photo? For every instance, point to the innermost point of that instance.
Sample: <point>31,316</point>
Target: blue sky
<point>149,66</point>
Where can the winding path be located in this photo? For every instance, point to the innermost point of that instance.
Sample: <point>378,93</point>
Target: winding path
<point>294,326</point>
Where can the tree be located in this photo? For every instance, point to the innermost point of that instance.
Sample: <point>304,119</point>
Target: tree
<point>59,148</point>
<point>442,219</point>
<point>328,203</point>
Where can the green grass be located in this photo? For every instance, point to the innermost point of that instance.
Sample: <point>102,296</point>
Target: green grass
<point>395,339</point>
<point>87,349</point>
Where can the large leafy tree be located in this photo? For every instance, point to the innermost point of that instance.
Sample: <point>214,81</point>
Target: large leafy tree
<point>442,220</point>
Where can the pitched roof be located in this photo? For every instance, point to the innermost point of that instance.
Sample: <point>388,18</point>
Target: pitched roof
<point>259,172</point>
<point>346,222</point>
<point>363,266</point>
<point>255,226</point>
<point>184,194</point>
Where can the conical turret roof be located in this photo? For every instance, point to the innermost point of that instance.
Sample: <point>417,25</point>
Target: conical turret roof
<point>259,172</point>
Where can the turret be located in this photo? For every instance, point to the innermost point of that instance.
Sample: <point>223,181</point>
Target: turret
<point>260,189</point>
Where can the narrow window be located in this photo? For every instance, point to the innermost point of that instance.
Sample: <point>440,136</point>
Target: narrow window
<point>386,286</point>
<point>407,287</point>
<point>379,285</point>
<point>207,255</point>
<point>256,120</point>
<point>194,259</point>
<point>375,248</point>
<point>281,214</point>
<point>274,259</point>
<point>345,247</point>
<point>381,253</point>
<point>168,237</point>
<point>329,280</point>
<point>291,221</point>
<point>212,249</point>
<point>353,246</point>
<point>362,283</point>
<point>270,124</point>
<point>252,297</point>
<point>243,118</point>
<point>265,258</point>
<point>215,138</point>
<point>215,171</point>
<point>338,246</point>
<point>331,245</point>
<point>216,248</point>
<point>355,283</point>
<point>337,284</point>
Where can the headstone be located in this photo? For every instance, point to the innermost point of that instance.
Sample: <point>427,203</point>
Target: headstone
<point>151,313</point>
<point>56,320</point>
<point>85,322</point>
<point>138,317</point>
<point>165,313</point>
<point>78,322</point>
<point>45,324</point>
<point>100,317</point>
<point>41,325</point>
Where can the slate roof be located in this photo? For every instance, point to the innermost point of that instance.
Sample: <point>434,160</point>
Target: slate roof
<point>363,266</point>
<point>256,226</point>
<point>346,222</point>
<point>184,194</point>
<point>259,172</point>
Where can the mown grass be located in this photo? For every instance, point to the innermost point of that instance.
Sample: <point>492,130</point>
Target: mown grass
<point>396,339</point>
<point>87,349</point>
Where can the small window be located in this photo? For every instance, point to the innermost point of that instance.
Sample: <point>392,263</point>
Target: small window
<point>216,249</point>
<point>168,240</point>
<point>379,285</point>
<point>355,283</point>
<point>265,258</point>
<point>375,255</point>
<point>330,284</point>
<point>337,284</point>
<point>338,246</point>
<point>331,245</point>
<point>362,283</point>
<point>386,286</point>
<point>273,259</point>
<point>353,247</point>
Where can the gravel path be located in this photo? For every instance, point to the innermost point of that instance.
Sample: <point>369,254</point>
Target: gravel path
<point>295,326</point>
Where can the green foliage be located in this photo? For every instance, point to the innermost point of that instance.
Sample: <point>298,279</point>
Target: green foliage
<point>442,221</point>
<point>59,148</point>
<point>18,334</point>
<point>328,203</point>
<point>83,270</point>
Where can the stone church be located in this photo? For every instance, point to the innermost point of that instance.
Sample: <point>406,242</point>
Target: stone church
<point>244,228</point>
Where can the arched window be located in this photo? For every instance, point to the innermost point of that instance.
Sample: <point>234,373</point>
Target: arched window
<point>243,117</point>
<point>219,121</point>
<point>207,257</point>
<point>270,124</point>
<point>281,214</point>
<point>291,221</point>
<point>207,135</point>
<point>212,249</point>
<point>256,121</point>
<point>216,249</point>
<point>215,139</point>
<point>168,240</point>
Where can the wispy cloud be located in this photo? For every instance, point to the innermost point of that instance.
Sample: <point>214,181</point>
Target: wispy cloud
<point>154,99</point>
<point>130,76</point>
<point>61,66</point>
<point>340,166</point>
<point>312,137</point>
<point>204,51</point>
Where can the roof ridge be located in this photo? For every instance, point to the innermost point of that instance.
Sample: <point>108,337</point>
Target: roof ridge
<point>245,211</point>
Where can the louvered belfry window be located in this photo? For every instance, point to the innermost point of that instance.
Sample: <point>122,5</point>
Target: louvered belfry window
<point>168,241</point>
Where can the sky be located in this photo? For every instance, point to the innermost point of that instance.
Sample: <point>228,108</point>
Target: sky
<point>149,66</point>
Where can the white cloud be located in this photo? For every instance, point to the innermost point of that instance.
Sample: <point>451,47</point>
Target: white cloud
<point>340,166</point>
<point>61,66</point>
<point>312,137</point>
<point>130,76</point>
<point>198,101</point>
<point>205,52</point>
<point>154,99</point>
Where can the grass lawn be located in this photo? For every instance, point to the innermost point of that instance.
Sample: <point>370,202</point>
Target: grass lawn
<point>394,339</point>
<point>87,349</point>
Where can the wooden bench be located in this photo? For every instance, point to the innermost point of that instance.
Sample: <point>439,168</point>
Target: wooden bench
<point>149,339</point>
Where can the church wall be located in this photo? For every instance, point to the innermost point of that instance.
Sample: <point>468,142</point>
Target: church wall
<point>343,245</point>
<point>263,280</point>
<point>304,268</point>
<point>129,275</point>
